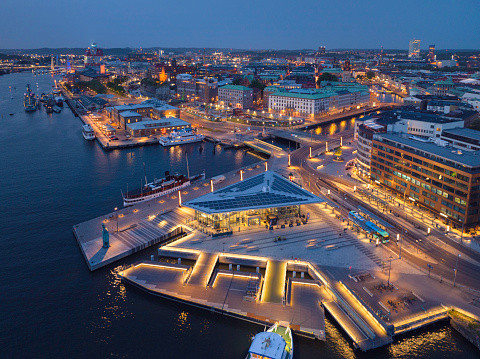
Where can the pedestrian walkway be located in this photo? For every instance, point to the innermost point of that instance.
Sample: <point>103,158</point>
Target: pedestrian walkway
<point>274,286</point>
<point>125,241</point>
<point>203,269</point>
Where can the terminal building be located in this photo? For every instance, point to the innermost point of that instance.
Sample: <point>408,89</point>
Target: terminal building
<point>267,198</point>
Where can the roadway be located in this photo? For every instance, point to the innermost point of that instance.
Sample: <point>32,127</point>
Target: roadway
<point>468,272</point>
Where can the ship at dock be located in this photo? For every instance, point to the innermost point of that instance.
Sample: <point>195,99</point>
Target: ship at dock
<point>181,137</point>
<point>159,187</point>
<point>275,343</point>
<point>29,100</point>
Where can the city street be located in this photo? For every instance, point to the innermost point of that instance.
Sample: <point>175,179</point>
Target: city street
<point>438,247</point>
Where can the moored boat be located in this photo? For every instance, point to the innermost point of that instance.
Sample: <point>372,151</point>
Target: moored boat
<point>59,101</point>
<point>88,132</point>
<point>159,187</point>
<point>275,343</point>
<point>29,100</point>
<point>183,136</point>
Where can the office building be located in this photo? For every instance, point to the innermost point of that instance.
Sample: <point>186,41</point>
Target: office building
<point>235,96</point>
<point>434,176</point>
<point>431,54</point>
<point>414,49</point>
<point>299,104</point>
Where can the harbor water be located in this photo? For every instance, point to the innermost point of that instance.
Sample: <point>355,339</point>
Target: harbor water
<point>53,306</point>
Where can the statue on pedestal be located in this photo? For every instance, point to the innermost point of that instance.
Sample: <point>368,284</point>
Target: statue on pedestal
<point>106,236</point>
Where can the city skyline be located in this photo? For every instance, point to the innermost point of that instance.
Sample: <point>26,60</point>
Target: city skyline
<point>253,26</point>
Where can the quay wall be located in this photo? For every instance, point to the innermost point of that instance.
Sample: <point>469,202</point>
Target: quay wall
<point>212,309</point>
<point>177,232</point>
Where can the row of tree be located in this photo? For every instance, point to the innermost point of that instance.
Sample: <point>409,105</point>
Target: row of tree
<point>93,85</point>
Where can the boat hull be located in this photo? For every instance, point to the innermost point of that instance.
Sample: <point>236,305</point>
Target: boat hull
<point>130,202</point>
<point>88,137</point>
<point>167,143</point>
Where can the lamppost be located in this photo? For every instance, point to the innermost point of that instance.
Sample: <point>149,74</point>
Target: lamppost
<point>417,240</point>
<point>455,270</point>
<point>389,268</point>
<point>463,226</point>
<point>401,241</point>
<point>116,215</point>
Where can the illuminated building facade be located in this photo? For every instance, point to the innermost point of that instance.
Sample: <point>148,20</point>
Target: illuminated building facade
<point>435,177</point>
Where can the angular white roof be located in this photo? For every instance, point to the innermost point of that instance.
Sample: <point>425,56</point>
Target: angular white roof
<point>265,190</point>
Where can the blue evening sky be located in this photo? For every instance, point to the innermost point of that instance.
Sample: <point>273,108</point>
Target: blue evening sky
<point>248,24</point>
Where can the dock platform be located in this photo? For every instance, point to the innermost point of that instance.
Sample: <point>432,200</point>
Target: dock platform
<point>134,235</point>
<point>227,295</point>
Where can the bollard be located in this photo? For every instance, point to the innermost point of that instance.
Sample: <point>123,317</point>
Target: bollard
<point>257,269</point>
<point>179,260</point>
<point>152,257</point>
<point>238,267</point>
<point>230,267</point>
<point>302,275</point>
<point>294,274</point>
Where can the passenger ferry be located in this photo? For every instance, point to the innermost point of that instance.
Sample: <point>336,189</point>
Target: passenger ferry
<point>159,187</point>
<point>88,132</point>
<point>181,137</point>
<point>275,343</point>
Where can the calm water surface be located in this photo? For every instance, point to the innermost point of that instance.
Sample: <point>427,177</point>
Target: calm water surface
<point>52,306</point>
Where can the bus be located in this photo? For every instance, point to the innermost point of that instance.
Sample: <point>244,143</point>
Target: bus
<point>369,227</point>
<point>377,231</point>
<point>358,220</point>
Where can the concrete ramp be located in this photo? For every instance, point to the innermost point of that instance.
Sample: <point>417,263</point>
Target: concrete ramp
<point>274,285</point>
<point>203,269</point>
<point>353,331</point>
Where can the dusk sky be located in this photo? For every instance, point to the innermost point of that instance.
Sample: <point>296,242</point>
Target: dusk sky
<point>246,24</point>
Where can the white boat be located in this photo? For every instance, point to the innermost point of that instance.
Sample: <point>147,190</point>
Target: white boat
<point>181,137</point>
<point>88,132</point>
<point>56,109</point>
<point>275,343</point>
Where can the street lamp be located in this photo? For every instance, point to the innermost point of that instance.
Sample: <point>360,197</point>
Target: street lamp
<point>389,268</point>
<point>455,270</point>
<point>401,241</point>
<point>417,240</point>
<point>116,215</point>
<point>461,236</point>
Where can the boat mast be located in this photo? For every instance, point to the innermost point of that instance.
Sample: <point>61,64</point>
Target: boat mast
<point>188,170</point>
<point>145,172</point>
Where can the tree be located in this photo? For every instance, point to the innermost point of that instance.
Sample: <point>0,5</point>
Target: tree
<point>370,75</point>
<point>257,84</point>
<point>236,82</point>
<point>326,76</point>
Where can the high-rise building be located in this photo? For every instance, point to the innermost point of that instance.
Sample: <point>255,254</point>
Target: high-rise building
<point>321,50</point>
<point>414,49</point>
<point>431,54</point>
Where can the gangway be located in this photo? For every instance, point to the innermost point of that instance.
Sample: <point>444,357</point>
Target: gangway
<point>274,285</point>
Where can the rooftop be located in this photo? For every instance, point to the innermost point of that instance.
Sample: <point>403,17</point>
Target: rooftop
<point>164,122</point>
<point>316,96</point>
<point>470,159</point>
<point>464,132</point>
<point>235,87</point>
<point>130,114</point>
<point>265,190</point>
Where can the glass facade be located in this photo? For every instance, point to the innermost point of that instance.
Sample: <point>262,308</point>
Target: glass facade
<point>274,216</point>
